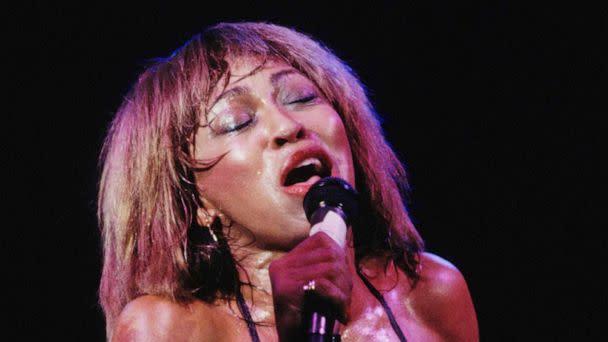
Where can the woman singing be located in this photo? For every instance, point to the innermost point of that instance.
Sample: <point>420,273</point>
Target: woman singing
<point>205,167</point>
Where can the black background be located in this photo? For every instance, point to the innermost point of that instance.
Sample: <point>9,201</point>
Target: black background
<point>494,108</point>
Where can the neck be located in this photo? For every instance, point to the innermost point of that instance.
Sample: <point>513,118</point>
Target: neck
<point>253,264</point>
<point>254,270</point>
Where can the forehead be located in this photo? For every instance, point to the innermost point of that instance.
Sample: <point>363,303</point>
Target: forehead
<point>247,69</point>
<point>248,66</point>
<point>246,73</point>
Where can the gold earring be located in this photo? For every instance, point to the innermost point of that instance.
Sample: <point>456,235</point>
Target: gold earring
<point>206,220</point>
<point>212,233</point>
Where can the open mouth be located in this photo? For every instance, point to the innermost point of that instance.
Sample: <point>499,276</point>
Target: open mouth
<point>307,169</point>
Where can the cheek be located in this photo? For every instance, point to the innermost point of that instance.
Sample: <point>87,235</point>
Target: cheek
<point>334,134</point>
<point>236,173</point>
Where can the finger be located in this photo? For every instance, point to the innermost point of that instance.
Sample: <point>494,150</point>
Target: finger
<point>286,276</point>
<point>317,248</point>
<point>319,239</point>
<point>288,284</point>
<point>339,297</point>
<point>331,271</point>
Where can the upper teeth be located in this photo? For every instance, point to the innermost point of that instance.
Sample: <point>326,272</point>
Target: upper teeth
<point>310,161</point>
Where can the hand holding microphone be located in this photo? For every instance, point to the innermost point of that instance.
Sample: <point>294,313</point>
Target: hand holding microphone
<point>330,206</point>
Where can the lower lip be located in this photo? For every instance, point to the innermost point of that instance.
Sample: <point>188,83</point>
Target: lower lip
<point>300,189</point>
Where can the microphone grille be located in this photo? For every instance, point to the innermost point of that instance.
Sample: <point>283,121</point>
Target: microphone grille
<point>332,192</point>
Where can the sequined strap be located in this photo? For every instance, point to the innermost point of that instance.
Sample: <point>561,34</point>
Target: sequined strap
<point>254,333</point>
<point>245,312</point>
<point>387,309</point>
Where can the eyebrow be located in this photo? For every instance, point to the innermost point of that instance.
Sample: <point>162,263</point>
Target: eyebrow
<point>240,90</point>
<point>276,77</point>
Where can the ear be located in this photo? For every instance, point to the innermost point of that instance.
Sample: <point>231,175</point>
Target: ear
<point>204,218</point>
<point>207,214</point>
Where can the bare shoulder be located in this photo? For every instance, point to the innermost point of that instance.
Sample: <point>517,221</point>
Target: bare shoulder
<point>443,301</point>
<point>440,275</point>
<point>154,318</point>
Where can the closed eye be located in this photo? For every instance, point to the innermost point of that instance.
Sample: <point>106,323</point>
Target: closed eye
<point>304,100</point>
<point>231,121</point>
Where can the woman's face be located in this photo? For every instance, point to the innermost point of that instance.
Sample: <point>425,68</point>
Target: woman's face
<point>273,135</point>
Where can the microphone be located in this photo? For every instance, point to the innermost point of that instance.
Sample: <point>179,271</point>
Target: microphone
<point>331,206</point>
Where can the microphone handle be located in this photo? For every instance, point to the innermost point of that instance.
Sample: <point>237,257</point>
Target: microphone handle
<point>321,338</point>
<point>320,318</point>
<point>318,313</point>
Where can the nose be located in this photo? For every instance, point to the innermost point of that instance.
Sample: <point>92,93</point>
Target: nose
<point>286,129</point>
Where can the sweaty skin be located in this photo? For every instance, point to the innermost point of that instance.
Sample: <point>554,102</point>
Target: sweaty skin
<point>265,119</point>
<point>438,309</point>
<point>290,118</point>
